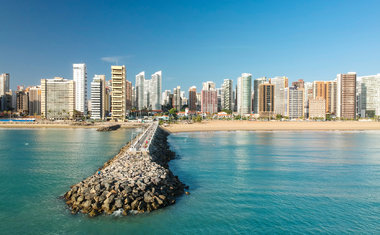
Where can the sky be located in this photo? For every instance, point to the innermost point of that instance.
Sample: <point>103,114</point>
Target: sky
<point>190,41</point>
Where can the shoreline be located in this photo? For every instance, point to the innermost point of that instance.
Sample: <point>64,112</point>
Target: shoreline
<point>67,126</point>
<point>218,125</point>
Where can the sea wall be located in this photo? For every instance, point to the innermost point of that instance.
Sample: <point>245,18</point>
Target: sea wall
<point>132,182</point>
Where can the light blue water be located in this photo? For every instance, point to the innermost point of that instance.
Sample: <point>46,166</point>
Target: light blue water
<point>240,182</point>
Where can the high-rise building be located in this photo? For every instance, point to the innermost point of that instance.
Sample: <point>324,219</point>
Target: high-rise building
<point>35,100</point>
<point>4,83</point>
<point>299,84</point>
<point>155,90</point>
<point>118,106</point>
<point>280,83</point>
<point>199,101</point>
<point>219,98</point>
<point>147,94</point>
<point>22,101</point>
<point>308,94</point>
<point>98,98</point>
<point>244,94</point>
<point>346,95</point>
<point>266,100</point>
<point>227,94</point>
<point>317,108</point>
<point>57,98</point>
<point>80,79</point>
<point>295,102</point>
<point>128,95</point>
<point>331,97</point>
<point>177,101</point>
<point>4,88</point>
<point>209,103</point>
<point>165,97</point>
<point>140,79</point>
<point>368,94</point>
<point>134,104</point>
<point>193,98</point>
<point>107,98</point>
<point>256,91</point>
<point>327,91</point>
<point>319,89</point>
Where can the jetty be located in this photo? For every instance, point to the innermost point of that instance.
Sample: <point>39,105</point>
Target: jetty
<point>136,180</point>
<point>109,128</point>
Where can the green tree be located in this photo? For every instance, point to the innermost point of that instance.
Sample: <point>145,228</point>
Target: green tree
<point>228,111</point>
<point>173,113</point>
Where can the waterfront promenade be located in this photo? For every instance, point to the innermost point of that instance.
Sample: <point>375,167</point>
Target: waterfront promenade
<point>219,125</point>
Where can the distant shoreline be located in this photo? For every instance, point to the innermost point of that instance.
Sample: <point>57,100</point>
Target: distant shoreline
<point>64,125</point>
<point>216,125</point>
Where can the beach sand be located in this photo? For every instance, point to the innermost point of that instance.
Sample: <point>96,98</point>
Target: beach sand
<point>218,125</point>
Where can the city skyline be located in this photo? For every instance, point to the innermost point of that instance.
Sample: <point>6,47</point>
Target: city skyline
<point>300,40</point>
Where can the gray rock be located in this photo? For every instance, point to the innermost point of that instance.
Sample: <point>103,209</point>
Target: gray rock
<point>118,203</point>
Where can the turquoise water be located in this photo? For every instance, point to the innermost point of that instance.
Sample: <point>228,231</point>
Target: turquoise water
<point>240,182</point>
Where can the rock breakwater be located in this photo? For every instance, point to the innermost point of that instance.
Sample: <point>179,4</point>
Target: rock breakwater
<point>131,182</point>
<point>109,128</point>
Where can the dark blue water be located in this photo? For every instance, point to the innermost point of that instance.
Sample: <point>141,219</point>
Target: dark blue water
<point>240,182</point>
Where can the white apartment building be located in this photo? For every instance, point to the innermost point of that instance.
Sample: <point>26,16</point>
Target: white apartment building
<point>280,83</point>
<point>98,97</point>
<point>244,94</point>
<point>80,79</point>
<point>155,90</point>
<point>140,79</point>
<point>227,95</point>
<point>57,98</point>
<point>368,95</point>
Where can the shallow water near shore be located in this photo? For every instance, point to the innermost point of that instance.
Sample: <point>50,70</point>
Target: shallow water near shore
<point>240,182</point>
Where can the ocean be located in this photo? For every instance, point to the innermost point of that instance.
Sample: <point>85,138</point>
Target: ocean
<point>240,182</point>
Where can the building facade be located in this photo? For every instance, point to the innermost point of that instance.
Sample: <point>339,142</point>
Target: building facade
<point>244,94</point>
<point>209,98</point>
<point>155,90</point>
<point>193,98</point>
<point>4,88</point>
<point>140,79</point>
<point>118,106</point>
<point>295,102</point>
<point>128,95</point>
<point>35,100</point>
<point>317,108</point>
<point>57,98</point>
<point>227,95</point>
<point>22,101</point>
<point>308,94</point>
<point>80,79</point>
<point>98,100</point>
<point>176,100</point>
<point>256,93</point>
<point>280,83</point>
<point>346,95</point>
<point>368,94</point>
<point>266,100</point>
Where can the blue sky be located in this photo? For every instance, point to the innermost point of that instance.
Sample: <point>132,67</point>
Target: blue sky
<point>190,41</point>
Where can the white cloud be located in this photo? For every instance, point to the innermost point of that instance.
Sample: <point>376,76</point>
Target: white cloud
<point>115,59</point>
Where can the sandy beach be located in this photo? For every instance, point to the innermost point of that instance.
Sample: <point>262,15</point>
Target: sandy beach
<point>272,126</point>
